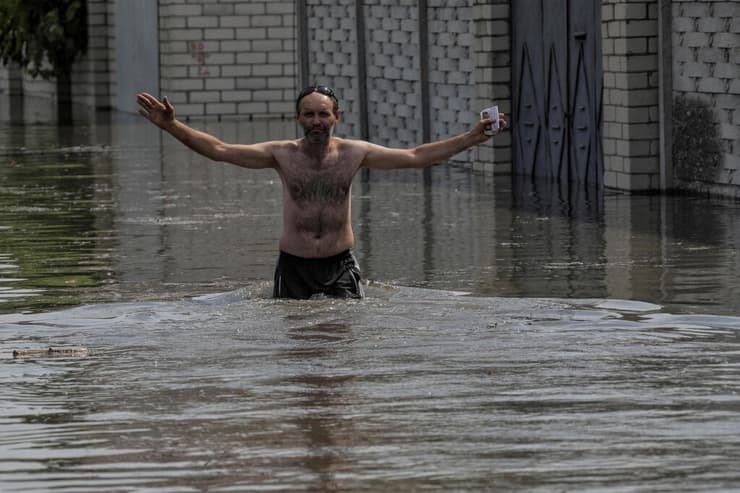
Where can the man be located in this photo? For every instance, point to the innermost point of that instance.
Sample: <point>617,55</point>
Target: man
<point>316,172</point>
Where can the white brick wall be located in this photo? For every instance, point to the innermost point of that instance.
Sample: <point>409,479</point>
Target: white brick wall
<point>333,57</point>
<point>91,76</point>
<point>706,65</point>
<point>461,71</point>
<point>452,69</point>
<point>39,102</point>
<point>238,58</point>
<point>228,59</point>
<point>492,59</point>
<point>631,117</point>
<point>394,71</point>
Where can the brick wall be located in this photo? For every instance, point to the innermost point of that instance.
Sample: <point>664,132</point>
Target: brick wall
<point>228,59</point>
<point>40,96</point>
<point>91,76</point>
<point>492,56</point>
<point>469,45</point>
<point>394,70</point>
<point>468,53</point>
<point>38,104</point>
<point>239,58</point>
<point>631,118</point>
<point>332,57</point>
<point>452,69</point>
<point>704,49</point>
<point>706,66</point>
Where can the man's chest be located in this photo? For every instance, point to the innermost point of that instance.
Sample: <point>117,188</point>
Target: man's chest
<point>323,183</point>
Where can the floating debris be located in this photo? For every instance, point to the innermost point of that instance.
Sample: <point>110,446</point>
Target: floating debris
<point>52,351</point>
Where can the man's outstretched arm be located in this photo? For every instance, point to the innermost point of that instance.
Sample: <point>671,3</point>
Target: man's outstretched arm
<point>379,157</point>
<point>162,114</point>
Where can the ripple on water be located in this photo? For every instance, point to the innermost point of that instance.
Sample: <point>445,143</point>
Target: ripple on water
<point>409,389</point>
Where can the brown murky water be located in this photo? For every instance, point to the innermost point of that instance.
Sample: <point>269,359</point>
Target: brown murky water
<point>516,337</point>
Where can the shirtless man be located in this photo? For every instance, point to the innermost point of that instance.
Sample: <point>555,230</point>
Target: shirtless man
<point>316,172</point>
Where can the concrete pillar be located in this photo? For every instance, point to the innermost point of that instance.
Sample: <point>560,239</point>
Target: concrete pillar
<point>492,57</point>
<point>631,123</point>
<point>137,48</point>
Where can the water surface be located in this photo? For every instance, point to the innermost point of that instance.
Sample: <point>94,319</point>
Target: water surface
<point>408,390</point>
<point>120,212</point>
<point>516,336</point>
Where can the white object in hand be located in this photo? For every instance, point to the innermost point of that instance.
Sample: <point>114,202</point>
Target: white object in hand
<point>491,113</point>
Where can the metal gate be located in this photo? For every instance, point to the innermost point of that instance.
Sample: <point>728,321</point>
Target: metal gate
<point>557,97</point>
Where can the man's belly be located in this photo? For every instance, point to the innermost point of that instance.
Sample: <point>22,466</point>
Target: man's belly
<point>313,232</point>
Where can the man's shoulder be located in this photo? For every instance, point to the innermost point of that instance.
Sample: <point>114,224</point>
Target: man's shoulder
<point>284,148</point>
<point>283,144</point>
<point>350,145</point>
<point>348,141</point>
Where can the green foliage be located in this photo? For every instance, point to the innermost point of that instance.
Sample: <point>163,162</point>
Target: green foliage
<point>697,150</point>
<point>44,37</point>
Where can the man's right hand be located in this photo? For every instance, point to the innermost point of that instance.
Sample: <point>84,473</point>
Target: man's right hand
<point>160,113</point>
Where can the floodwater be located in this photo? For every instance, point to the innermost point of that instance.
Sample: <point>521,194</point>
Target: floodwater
<point>516,337</point>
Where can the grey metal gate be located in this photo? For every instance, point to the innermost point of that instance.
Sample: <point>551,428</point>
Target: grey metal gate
<point>557,82</point>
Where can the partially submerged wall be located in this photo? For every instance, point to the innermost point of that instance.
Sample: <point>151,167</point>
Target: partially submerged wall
<point>34,99</point>
<point>245,59</point>
<point>706,75</point>
<point>631,115</point>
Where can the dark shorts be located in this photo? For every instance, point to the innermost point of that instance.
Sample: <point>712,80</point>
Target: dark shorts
<point>301,278</point>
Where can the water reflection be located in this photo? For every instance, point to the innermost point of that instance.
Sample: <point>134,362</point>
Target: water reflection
<point>117,211</point>
<point>563,226</point>
<point>410,389</point>
<point>52,212</point>
<point>407,390</point>
<point>322,398</point>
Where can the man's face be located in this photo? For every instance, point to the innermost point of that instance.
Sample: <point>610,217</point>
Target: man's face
<point>317,117</point>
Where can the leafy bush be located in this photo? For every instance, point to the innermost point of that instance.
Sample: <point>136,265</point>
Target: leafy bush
<point>44,37</point>
<point>697,150</point>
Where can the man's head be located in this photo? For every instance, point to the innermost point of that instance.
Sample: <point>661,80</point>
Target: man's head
<point>326,91</point>
<point>317,111</point>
